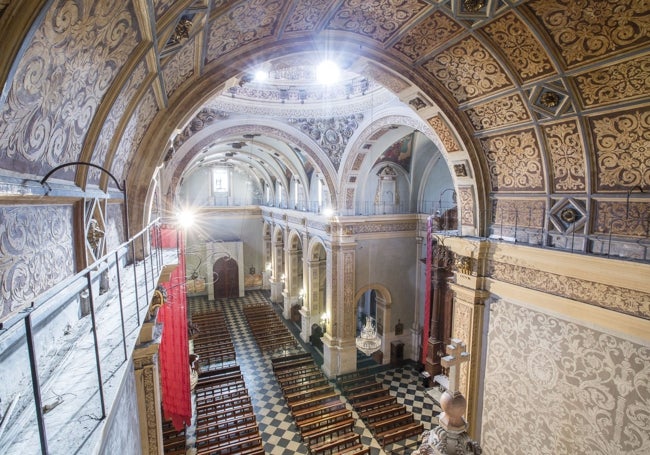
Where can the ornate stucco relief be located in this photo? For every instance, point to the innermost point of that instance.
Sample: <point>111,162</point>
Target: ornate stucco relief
<point>307,14</point>
<point>508,110</point>
<point>444,133</point>
<point>468,70</point>
<point>133,134</point>
<point>584,32</point>
<point>72,59</point>
<point>581,389</point>
<point>514,161</point>
<point>428,35</point>
<point>622,149</point>
<point>110,125</point>
<point>366,228</point>
<point>179,68</point>
<point>525,54</point>
<point>614,83</point>
<point>466,203</point>
<point>348,294</point>
<point>603,295</point>
<point>379,20</point>
<point>564,147</point>
<point>255,19</point>
<point>36,252</point>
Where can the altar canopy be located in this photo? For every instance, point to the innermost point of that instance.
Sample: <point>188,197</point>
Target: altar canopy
<point>174,350</point>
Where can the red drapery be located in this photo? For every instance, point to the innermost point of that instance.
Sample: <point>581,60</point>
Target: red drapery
<point>427,297</point>
<point>174,349</point>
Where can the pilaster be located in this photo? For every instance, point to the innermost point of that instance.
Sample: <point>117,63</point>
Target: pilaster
<point>145,364</point>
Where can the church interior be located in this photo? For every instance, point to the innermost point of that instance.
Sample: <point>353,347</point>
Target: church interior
<point>325,226</point>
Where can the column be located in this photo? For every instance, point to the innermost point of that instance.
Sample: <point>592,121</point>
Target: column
<point>145,364</point>
<point>339,347</point>
<point>276,282</point>
<point>290,293</point>
<point>416,330</point>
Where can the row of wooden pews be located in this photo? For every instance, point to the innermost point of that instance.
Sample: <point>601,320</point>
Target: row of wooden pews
<point>267,328</point>
<point>388,420</point>
<point>213,343</point>
<point>174,441</point>
<point>325,424</point>
<point>225,420</point>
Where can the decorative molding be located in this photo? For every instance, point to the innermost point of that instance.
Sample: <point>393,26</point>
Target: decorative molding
<point>179,67</point>
<point>445,134</point>
<point>306,15</point>
<point>367,228</point>
<point>621,218</point>
<point>516,212</point>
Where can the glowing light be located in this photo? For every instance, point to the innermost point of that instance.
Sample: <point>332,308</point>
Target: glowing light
<point>328,212</point>
<point>185,218</point>
<point>328,72</point>
<point>260,76</point>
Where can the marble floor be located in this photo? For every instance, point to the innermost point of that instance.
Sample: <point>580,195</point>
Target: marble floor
<point>276,424</point>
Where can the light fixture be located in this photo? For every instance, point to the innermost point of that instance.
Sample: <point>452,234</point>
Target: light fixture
<point>368,341</point>
<point>328,212</point>
<point>328,72</point>
<point>260,76</point>
<point>185,218</point>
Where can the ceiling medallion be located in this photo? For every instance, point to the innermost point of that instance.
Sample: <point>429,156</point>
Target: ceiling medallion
<point>549,99</point>
<point>569,215</point>
<point>473,6</point>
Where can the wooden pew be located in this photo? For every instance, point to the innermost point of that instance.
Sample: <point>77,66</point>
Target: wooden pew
<point>362,387</point>
<point>399,433</point>
<point>328,431</point>
<point>372,415</point>
<point>324,419</point>
<point>330,445</point>
<point>308,393</point>
<point>313,401</point>
<point>367,395</point>
<point>357,449</point>
<point>375,403</point>
<point>380,426</point>
<point>316,410</point>
<point>318,381</point>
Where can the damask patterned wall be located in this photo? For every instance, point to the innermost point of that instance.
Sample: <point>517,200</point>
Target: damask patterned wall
<point>553,386</point>
<point>36,252</point>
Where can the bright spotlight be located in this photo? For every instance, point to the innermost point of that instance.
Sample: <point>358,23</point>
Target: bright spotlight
<point>328,72</point>
<point>185,218</point>
<point>261,76</point>
<point>328,212</point>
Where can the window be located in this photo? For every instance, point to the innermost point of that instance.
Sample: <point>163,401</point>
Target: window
<point>220,180</point>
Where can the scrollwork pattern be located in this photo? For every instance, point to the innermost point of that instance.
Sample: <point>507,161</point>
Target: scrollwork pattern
<point>622,149</point>
<point>376,19</point>
<point>562,375</point>
<point>621,218</point>
<point>514,161</point>
<point>444,133</point>
<point>306,15</point>
<point>468,70</point>
<point>466,202</point>
<point>625,80</point>
<point>69,65</point>
<point>427,36</point>
<point>516,41</point>
<point>179,68</point>
<point>35,252</point>
<point>508,110</point>
<point>525,213</point>
<point>567,156</point>
<point>587,30</point>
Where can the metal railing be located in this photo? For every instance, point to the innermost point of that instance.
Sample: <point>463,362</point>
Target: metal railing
<point>81,328</point>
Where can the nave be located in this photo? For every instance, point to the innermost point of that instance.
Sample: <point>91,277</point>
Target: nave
<point>277,427</point>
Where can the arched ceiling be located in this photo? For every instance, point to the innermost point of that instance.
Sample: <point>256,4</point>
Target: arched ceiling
<point>540,103</point>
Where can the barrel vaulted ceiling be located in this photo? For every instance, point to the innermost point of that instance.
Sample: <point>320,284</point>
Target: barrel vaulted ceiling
<point>540,103</point>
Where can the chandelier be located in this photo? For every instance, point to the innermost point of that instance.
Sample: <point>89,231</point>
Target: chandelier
<point>368,342</point>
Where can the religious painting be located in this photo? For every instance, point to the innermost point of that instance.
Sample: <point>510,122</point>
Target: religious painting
<point>399,152</point>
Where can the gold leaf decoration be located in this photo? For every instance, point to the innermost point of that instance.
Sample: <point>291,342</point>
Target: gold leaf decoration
<point>523,51</point>
<point>508,110</point>
<point>613,83</point>
<point>622,149</point>
<point>514,161</point>
<point>585,31</point>
<point>468,70</point>
<point>567,156</point>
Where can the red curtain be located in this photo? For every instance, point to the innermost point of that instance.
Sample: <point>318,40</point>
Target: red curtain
<point>427,297</point>
<point>174,349</point>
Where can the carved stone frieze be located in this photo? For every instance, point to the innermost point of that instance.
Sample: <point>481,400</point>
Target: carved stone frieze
<point>613,298</point>
<point>508,110</point>
<point>614,83</point>
<point>255,19</point>
<point>367,228</point>
<point>111,123</point>
<point>379,20</point>
<point>564,146</point>
<point>566,376</point>
<point>179,68</point>
<point>607,26</point>
<point>428,35</point>
<point>468,70</point>
<point>133,134</point>
<point>332,134</point>
<point>514,161</point>
<point>445,134</point>
<point>524,53</point>
<point>36,252</point>
<point>70,63</point>
<point>621,142</point>
<point>349,198</point>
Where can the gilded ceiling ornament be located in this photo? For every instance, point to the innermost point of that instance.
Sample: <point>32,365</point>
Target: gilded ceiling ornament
<point>569,215</point>
<point>94,234</point>
<point>473,6</point>
<point>549,99</point>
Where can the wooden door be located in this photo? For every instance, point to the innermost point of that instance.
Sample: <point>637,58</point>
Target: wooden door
<point>225,273</point>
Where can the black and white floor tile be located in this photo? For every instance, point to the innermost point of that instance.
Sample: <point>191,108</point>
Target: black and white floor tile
<point>278,430</point>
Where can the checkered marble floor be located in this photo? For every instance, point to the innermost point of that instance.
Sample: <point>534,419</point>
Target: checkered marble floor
<point>277,428</point>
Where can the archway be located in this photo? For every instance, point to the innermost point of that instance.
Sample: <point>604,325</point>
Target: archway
<point>375,300</point>
<point>314,307</point>
<point>294,286</point>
